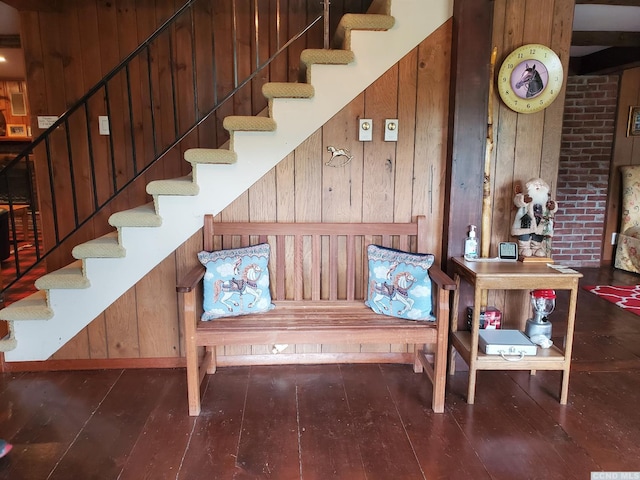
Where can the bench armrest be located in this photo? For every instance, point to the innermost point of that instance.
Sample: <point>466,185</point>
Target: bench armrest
<point>189,281</point>
<point>441,279</point>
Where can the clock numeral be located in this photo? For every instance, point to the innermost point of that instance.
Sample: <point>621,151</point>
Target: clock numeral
<point>532,51</point>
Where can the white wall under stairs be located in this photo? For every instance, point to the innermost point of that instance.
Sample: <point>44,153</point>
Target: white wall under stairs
<point>258,152</point>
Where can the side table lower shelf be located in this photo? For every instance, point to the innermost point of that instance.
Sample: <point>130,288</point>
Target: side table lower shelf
<point>546,359</point>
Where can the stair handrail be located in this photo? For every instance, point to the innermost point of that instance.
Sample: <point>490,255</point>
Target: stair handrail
<point>63,121</point>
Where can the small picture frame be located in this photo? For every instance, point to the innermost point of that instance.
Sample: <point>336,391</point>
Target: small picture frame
<point>16,130</point>
<point>633,125</point>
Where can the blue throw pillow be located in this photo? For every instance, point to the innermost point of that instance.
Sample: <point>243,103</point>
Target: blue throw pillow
<point>236,281</point>
<point>399,283</point>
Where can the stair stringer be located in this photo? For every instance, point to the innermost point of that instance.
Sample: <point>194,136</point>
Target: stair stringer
<point>258,152</point>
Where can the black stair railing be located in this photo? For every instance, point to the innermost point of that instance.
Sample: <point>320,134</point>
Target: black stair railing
<point>134,125</point>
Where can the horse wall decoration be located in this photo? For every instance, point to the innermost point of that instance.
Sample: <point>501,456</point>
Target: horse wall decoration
<point>531,79</point>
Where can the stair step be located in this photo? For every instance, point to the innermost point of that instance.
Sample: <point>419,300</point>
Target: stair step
<point>33,307</point>
<point>319,56</point>
<point>210,155</point>
<point>8,343</point>
<point>71,276</point>
<point>106,246</point>
<point>287,90</point>
<point>359,21</point>
<point>242,123</point>
<point>142,216</point>
<point>174,186</point>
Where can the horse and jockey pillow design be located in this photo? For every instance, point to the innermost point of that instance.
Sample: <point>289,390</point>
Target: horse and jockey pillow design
<point>399,283</point>
<point>236,281</point>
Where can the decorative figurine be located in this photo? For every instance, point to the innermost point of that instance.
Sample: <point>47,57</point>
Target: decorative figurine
<point>533,224</point>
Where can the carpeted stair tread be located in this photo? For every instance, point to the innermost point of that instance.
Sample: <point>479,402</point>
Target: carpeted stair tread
<point>174,186</point>
<point>210,155</point>
<point>106,246</point>
<point>287,90</point>
<point>359,21</point>
<point>241,123</point>
<point>320,56</point>
<point>69,277</point>
<point>142,216</point>
<point>33,307</point>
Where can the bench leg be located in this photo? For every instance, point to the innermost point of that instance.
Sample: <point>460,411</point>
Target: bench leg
<point>212,364</point>
<point>417,363</point>
<point>191,352</point>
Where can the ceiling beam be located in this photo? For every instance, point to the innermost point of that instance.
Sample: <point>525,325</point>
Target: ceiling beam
<point>34,5</point>
<point>604,38</point>
<point>625,3</point>
<point>10,41</point>
<point>608,61</point>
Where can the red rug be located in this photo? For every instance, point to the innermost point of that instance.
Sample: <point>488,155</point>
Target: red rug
<point>624,296</point>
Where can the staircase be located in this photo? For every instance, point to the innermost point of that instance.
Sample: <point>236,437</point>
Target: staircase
<point>365,46</point>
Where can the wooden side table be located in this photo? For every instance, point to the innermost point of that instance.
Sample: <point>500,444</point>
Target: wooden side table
<point>485,276</point>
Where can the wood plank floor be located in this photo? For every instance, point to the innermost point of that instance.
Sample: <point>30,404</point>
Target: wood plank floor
<point>341,422</point>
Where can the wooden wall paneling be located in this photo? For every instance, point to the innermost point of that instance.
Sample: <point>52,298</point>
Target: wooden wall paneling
<point>278,69</point>
<point>295,24</point>
<point>131,87</point>
<point>205,71</point>
<point>260,53</point>
<point>54,68</point>
<point>407,136</point>
<point>146,74</point>
<point>341,181</point>
<point>285,208</point>
<point>626,151</point>
<point>75,349</point>
<point>122,327</point>
<point>315,35</point>
<point>434,56</point>
<point>223,50</point>
<point>97,332</point>
<point>157,311</point>
<point>242,99</point>
<point>169,106</point>
<point>380,156</point>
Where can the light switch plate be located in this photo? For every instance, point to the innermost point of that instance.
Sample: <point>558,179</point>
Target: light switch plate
<point>365,130</point>
<point>103,125</point>
<point>391,130</point>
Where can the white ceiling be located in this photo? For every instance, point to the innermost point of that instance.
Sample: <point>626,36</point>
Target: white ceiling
<point>586,18</point>
<point>603,18</point>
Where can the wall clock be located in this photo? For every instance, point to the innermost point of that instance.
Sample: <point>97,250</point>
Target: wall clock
<point>530,78</point>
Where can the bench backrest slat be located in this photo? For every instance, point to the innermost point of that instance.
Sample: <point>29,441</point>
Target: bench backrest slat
<point>317,261</point>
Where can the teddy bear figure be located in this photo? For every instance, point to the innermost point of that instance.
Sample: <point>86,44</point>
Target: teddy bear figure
<point>533,224</point>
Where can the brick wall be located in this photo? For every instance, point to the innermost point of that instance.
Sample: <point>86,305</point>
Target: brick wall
<point>585,156</point>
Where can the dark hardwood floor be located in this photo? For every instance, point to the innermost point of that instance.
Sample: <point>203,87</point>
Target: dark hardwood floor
<point>343,422</point>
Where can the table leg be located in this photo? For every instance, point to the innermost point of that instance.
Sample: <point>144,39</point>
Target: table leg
<point>453,324</point>
<point>473,354</point>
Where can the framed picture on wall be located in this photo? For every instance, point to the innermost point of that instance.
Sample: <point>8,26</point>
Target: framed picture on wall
<point>15,130</point>
<point>633,127</point>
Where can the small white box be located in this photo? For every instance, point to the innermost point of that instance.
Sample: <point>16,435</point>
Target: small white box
<point>505,342</point>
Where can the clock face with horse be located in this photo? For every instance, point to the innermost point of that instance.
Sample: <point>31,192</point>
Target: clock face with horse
<point>530,78</point>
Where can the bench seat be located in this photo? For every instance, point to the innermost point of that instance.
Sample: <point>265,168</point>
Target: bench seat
<point>334,312</point>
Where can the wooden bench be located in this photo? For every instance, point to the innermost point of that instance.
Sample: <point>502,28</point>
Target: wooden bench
<point>318,276</point>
